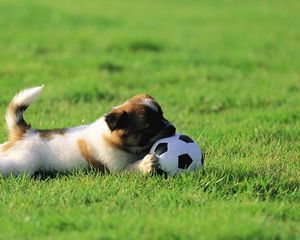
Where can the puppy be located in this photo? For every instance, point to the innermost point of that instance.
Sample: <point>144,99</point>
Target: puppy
<point>117,141</point>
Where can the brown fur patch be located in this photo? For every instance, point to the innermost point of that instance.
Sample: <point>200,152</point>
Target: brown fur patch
<point>13,138</point>
<point>20,128</point>
<point>114,141</point>
<point>84,149</point>
<point>49,134</point>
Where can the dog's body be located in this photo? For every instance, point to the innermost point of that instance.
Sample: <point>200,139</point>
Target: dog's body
<point>117,141</point>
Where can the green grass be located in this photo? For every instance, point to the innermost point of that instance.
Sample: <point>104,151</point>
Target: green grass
<point>226,73</point>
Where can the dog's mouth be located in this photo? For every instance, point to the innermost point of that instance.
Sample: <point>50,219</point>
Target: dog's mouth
<point>148,138</point>
<point>169,131</point>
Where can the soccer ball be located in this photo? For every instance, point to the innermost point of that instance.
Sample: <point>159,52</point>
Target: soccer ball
<point>177,154</point>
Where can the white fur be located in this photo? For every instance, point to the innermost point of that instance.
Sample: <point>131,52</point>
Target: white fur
<point>28,96</point>
<point>62,152</point>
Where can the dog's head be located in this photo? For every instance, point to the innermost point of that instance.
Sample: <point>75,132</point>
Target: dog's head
<point>137,124</point>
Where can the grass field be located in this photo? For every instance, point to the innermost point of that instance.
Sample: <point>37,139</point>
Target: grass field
<point>226,72</point>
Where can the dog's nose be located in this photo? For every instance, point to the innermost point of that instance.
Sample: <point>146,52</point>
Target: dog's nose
<point>171,130</point>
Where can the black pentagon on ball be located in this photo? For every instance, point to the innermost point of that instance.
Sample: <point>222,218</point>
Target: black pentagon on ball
<point>186,139</point>
<point>161,148</point>
<point>184,161</point>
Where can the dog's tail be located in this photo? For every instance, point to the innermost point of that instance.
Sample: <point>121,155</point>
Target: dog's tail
<point>14,114</point>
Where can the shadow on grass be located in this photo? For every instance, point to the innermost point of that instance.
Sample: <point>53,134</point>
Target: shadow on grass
<point>137,46</point>
<point>145,46</point>
<point>110,67</point>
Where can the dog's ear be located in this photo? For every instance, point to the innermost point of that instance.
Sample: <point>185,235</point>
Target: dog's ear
<point>117,120</point>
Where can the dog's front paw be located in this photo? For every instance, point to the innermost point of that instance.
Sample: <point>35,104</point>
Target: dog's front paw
<point>149,164</point>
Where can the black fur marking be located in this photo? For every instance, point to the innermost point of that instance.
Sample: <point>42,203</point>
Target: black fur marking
<point>20,122</point>
<point>117,120</point>
<point>22,108</point>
